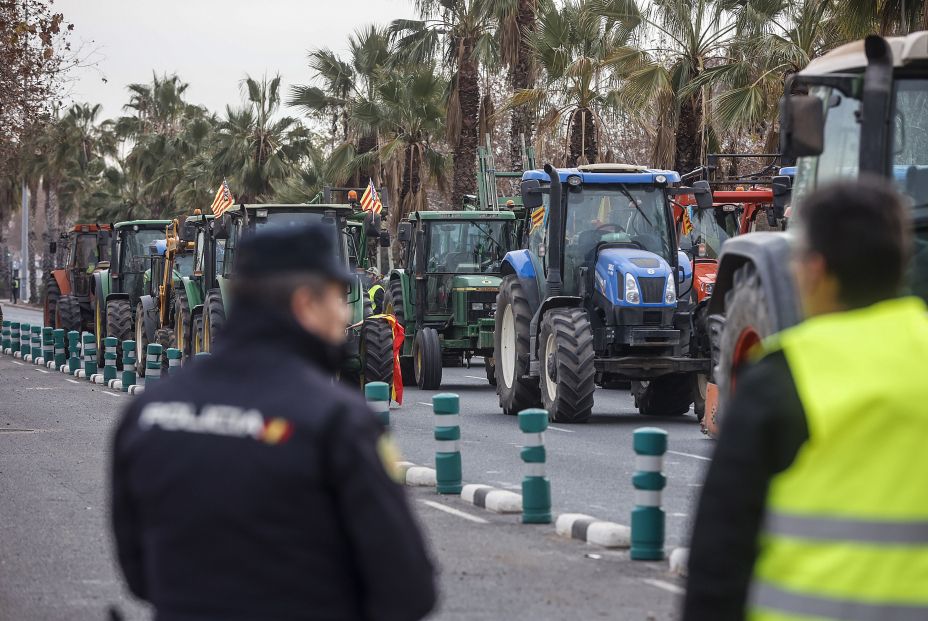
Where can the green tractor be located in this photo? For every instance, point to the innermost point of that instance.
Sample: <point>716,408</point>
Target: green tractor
<point>119,287</point>
<point>446,298</point>
<point>198,289</point>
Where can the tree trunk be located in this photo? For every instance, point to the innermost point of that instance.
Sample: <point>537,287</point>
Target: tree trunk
<point>366,144</point>
<point>465,150</point>
<point>33,208</point>
<point>688,141</point>
<point>522,76</point>
<point>583,146</point>
<point>50,233</point>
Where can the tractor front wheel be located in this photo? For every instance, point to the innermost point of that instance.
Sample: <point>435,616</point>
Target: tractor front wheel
<point>69,313</point>
<point>747,323</point>
<point>119,324</point>
<point>376,351</point>
<point>214,317</point>
<point>427,359</point>
<point>52,295</point>
<point>141,341</point>
<point>511,338</point>
<point>182,322</point>
<point>667,395</point>
<point>567,359</point>
<point>393,302</point>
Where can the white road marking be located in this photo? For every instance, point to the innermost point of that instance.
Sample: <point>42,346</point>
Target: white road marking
<point>453,511</point>
<point>680,515</point>
<point>72,381</point>
<point>553,428</point>
<point>19,363</point>
<point>482,379</point>
<point>700,457</point>
<point>111,394</point>
<point>42,371</point>
<point>425,404</point>
<point>666,586</point>
<point>40,388</point>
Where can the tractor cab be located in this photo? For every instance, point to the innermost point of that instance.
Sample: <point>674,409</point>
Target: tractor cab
<point>88,250</point>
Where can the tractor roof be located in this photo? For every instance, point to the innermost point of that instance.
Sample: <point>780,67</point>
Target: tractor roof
<point>851,56</point>
<point>607,173</point>
<point>290,207</point>
<point>462,215</point>
<point>144,224</point>
<point>199,217</point>
<point>90,228</point>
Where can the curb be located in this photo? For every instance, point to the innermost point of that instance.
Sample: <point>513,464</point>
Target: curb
<point>679,561</point>
<point>136,389</point>
<point>96,378</point>
<point>491,498</point>
<point>80,374</point>
<point>416,476</point>
<point>589,529</point>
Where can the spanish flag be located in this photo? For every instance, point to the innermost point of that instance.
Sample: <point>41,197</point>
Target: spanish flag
<point>538,217</point>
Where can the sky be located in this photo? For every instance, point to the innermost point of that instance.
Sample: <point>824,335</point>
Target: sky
<point>210,44</point>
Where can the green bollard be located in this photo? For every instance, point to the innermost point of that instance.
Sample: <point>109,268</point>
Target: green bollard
<point>448,437</point>
<point>536,489</point>
<point>5,342</point>
<point>378,397</point>
<point>48,345</point>
<point>650,444</point>
<point>60,357</point>
<point>128,365</point>
<point>173,360</point>
<point>110,344</point>
<point>74,349</point>
<point>14,337</point>
<point>90,355</point>
<point>36,351</point>
<point>152,364</point>
<point>25,334</point>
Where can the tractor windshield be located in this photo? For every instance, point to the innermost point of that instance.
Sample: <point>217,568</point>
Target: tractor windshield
<point>85,252</point>
<point>710,229</point>
<point>296,217</point>
<point>183,264</point>
<point>135,259</point>
<point>468,246</point>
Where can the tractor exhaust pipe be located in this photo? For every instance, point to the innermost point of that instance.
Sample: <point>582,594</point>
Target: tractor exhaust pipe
<point>555,233</point>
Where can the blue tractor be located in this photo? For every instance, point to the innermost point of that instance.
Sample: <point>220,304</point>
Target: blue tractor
<point>600,294</point>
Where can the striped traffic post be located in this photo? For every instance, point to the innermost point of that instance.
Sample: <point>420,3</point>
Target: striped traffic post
<point>5,345</point>
<point>48,346</point>
<point>74,349</point>
<point>14,337</point>
<point>36,352</point>
<point>650,444</point>
<point>60,359</point>
<point>152,364</point>
<point>536,489</point>
<point>90,355</point>
<point>448,439</point>
<point>128,365</point>
<point>378,397</point>
<point>110,344</point>
<point>25,336</point>
<point>173,360</point>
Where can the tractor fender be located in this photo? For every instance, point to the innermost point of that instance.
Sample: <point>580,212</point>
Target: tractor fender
<point>149,316</point>
<point>770,253</point>
<point>192,291</point>
<point>527,268</point>
<point>223,292</point>
<point>116,296</point>
<point>403,277</point>
<point>61,277</point>
<point>101,284</point>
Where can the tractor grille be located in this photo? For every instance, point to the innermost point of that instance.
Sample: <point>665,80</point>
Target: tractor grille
<point>652,290</point>
<point>480,304</point>
<point>652,318</point>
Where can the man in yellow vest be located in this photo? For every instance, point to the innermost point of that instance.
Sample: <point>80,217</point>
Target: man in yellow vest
<point>815,506</point>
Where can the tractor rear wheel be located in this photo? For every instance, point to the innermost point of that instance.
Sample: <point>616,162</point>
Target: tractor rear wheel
<point>69,313</point>
<point>214,317</point>
<point>511,338</point>
<point>141,341</point>
<point>393,302</point>
<point>165,338</point>
<point>567,359</point>
<point>747,323</point>
<point>119,324</point>
<point>376,351</point>
<point>182,322</point>
<point>426,356</point>
<point>667,395</point>
<point>196,335</point>
<point>52,295</point>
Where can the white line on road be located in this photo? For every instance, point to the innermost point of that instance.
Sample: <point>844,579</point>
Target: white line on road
<point>72,381</point>
<point>111,394</point>
<point>691,455</point>
<point>19,363</point>
<point>453,511</point>
<point>423,403</point>
<point>676,590</point>
<point>42,371</point>
<point>553,428</point>
<point>482,379</point>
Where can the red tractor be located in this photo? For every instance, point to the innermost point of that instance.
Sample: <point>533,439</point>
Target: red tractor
<point>68,289</point>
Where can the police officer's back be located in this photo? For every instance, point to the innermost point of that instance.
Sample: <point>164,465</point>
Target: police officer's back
<point>250,486</point>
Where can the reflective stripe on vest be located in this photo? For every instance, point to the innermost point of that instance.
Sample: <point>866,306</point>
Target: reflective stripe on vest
<point>846,532</point>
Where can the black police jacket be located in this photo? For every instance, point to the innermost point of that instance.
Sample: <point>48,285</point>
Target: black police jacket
<point>251,487</point>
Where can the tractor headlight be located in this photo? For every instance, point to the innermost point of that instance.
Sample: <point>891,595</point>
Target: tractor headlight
<point>632,295</point>
<point>670,291</point>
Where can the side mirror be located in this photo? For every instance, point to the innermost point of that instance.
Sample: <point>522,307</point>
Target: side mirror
<point>404,233</point>
<point>384,239</point>
<point>372,224</point>
<point>222,227</point>
<point>188,231</point>
<point>703,194</point>
<point>802,126</point>
<point>53,247</point>
<point>782,187</point>
<point>531,194</point>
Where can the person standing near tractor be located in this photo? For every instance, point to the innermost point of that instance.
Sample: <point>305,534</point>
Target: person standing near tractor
<point>250,485</point>
<point>814,505</point>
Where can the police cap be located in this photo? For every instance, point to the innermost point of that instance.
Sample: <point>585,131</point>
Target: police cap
<point>310,249</point>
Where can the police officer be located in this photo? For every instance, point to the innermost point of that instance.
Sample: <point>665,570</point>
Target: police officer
<point>250,486</point>
<point>815,503</point>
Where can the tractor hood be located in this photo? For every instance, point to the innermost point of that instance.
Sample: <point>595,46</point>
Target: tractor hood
<point>476,281</point>
<point>649,270</point>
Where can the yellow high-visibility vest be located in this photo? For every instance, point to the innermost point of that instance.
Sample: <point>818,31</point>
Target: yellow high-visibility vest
<point>846,530</point>
<point>373,292</point>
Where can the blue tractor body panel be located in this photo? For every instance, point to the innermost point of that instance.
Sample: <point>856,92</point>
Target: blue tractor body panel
<point>613,264</point>
<point>648,176</point>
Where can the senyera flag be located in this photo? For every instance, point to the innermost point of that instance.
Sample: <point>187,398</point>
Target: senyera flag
<point>369,200</point>
<point>223,199</point>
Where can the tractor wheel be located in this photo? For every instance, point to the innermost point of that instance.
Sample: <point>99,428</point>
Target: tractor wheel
<point>196,338</point>
<point>393,302</point>
<point>52,295</point>
<point>141,341</point>
<point>99,321</point>
<point>426,356</point>
<point>165,338</point>
<point>376,351</point>
<point>511,344</point>
<point>700,383</point>
<point>568,372</point>
<point>69,313</point>
<point>490,368</point>
<point>87,313</point>
<point>667,395</point>
<point>119,324</point>
<point>214,317</point>
<point>747,323</point>
<point>182,322</point>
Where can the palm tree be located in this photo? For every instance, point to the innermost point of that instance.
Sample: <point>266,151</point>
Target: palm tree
<point>463,32</point>
<point>858,18</point>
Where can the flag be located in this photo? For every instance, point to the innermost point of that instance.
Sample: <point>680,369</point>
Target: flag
<point>369,200</point>
<point>687,223</point>
<point>399,336</point>
<point>223,199</point>
<point>538,217</point>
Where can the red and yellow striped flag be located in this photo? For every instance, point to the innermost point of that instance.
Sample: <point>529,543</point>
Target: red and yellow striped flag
<point>369,200</point>
<point>687,226</point>
<point>223,199</point>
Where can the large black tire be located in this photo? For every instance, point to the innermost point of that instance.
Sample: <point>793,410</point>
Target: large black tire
<point>141,341</point>
<point>490,367</point>
<point>668,395</point>
<point>426,356</point>
<point>376,351</point>
<point>393,302</point>
<point>50,305</point>
<point>214,318</point>
<point>745,313</point>
<point>513,320</point>
<point>165,338</point>
<point>197,334</point>
<point>69,313</point>
<point>182,328</point>
<point>119,324</point>
<point>568,371</point>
